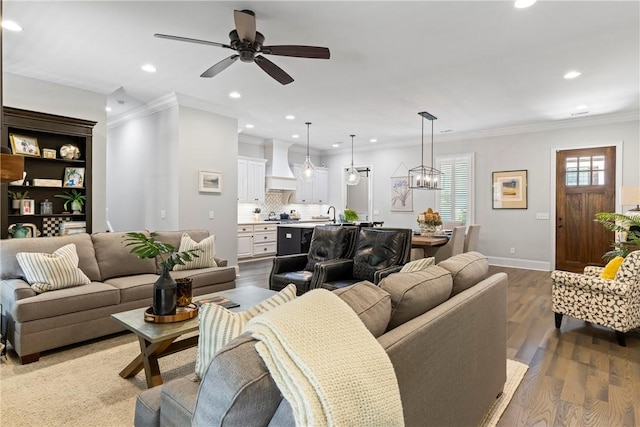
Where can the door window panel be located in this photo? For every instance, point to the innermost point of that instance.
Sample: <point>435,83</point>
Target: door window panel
<point>584,171</point>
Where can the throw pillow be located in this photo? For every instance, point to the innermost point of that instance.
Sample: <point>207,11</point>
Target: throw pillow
<point>611,268</point>
<point>418,265</point>
<point>218,325</point>
<point>205,259</point>
<point>48,272</point>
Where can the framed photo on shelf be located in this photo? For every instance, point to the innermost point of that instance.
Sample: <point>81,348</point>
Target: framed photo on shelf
<point>209,182</point>
<point>510,189</point>
<point>48,153</point>
<point>73,178</point>
<point>28,207</point>
<point>24,145</point>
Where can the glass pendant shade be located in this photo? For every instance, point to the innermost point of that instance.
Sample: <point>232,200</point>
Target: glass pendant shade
<point>308,170</point>
<point>425,177</point>
<point>352,177</point>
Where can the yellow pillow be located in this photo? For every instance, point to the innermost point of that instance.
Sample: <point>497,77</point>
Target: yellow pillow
<point>611,268</point>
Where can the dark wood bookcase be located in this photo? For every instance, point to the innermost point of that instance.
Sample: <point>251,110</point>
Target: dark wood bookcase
<point>51,132</point>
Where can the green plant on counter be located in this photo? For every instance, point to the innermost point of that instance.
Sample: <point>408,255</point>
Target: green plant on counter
<point>146,247</point>
<point>71,197</point>
<point>350,215</point>
<point>18,195</point>
<point>620,223</point>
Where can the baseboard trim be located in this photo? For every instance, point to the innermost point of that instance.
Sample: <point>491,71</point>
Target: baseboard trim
<point>526,264</point>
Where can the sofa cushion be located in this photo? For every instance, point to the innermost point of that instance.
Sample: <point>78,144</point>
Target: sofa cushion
<point>418,264</point>
<point>219,325</point>
<point>371,303</point>
<point>413,294</point>
<point>467,269</point>
<point>114,258</point>
<point>48,272</point>
<point>327,243</point>
<point>204,257</point>
<point>135,287</point>
<point>236,389</point>
<point>10,269</point>
<point>64,301</point>
<point>174,238</point>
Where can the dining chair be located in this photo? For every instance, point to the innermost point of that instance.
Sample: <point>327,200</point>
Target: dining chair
<point>471,238</point>
<point>454,246</point>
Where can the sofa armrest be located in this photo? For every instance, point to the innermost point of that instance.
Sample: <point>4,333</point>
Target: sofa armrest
<point>381,274</point>
<point>221,262</point>
<point>332,270</point>
<point>589,283</point>
<point>593,270</point>
<point>13,290</point>
<point>295,262</point>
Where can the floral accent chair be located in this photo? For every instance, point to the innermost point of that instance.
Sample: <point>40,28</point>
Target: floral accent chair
<point>611,303</point>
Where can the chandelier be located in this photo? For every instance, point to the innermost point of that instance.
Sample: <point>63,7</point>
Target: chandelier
<point>425,177</point>
<point>352,177</point>
<point>308,169</point>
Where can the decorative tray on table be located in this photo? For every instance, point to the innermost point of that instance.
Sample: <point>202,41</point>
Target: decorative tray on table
<point>182,314</point>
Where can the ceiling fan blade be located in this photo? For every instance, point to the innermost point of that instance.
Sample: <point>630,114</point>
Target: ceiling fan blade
<point>298,51</point>
<point>273,70</point>
<point>245,24</point>
<point>187,39</point>
<point>220,66</point>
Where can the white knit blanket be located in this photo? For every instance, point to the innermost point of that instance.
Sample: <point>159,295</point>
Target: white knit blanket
<point>326,363</point>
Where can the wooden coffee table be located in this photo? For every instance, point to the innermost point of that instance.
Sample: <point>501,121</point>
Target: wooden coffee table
<point>159,339</point>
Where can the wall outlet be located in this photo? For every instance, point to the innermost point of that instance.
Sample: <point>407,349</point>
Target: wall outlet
<point>211,215</point>
<point>512,250</point>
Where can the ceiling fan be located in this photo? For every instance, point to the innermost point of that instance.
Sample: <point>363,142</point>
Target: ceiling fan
<point>249,44</point>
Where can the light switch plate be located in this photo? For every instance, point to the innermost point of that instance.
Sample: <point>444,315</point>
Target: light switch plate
<point>542,215</point>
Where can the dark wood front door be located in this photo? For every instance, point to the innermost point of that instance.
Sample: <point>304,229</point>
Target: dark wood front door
<point>585,185</point>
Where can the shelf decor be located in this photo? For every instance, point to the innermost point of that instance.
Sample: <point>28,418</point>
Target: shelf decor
<point>24,145</point>
<point>73,178</point>
<point>510,189</point>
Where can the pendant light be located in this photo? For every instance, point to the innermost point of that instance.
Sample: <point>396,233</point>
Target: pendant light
<point>308,170</point>
<point>352,177</point>
<point>425,177</point>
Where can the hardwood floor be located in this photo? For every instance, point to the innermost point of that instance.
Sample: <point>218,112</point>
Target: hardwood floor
<point>578,376</point>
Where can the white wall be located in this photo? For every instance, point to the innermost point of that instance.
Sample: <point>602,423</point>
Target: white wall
<point>46,97</point>
<point>501,229</point>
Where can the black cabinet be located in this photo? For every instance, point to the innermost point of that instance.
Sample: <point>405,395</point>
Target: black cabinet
<point>294,240</point>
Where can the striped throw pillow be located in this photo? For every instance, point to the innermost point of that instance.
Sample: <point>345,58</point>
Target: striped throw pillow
<point>218,325</point>
<point>205,259</point>
<point>417,265</point>
<point>48,272</point>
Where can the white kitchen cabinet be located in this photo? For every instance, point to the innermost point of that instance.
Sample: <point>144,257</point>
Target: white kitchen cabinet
<point>251,180</point>
<point>245,241</point>
<point>316,191</point>
<point>257,240</point>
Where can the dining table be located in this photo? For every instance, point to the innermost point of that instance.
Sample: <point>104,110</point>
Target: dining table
<point>428,241</point>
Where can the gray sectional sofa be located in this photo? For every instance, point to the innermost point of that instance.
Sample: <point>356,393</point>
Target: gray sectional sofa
<point>444,330</point>
<point>120,281</point>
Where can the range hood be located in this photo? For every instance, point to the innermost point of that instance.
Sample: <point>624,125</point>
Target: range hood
<point>279,176</point>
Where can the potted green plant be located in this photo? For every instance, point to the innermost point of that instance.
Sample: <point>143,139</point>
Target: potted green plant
<point>16,198</point>
<point>165,288</point>
<point>621,223</point>
<point>76,199</point>
<point>350,215</point>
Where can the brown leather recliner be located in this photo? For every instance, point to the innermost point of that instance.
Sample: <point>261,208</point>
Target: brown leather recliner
<point>379,252</point>
<point>328,243</point>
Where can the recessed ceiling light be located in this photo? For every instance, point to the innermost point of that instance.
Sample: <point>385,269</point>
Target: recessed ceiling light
<point>581,107</point>
<point>107,109</point>
<point>289,117</point>
<point>234,95</point>
<point>373,140</point>
<point>295,135</point>
<point>149,68</point>
<point>572,74</point>
<point>249,126</point>
<point>11,26</point>
<point>521,4</point>
<point>336,145</point>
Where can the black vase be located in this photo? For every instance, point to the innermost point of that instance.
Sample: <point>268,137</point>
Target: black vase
<point>164,295</point>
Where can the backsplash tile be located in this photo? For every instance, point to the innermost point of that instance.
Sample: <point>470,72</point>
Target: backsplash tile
<point>274,202</point>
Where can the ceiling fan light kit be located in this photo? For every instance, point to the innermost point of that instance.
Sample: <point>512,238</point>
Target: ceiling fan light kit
<point>249,44</point>
<point>352,177</point>
<point>425,177</point>
<point>308,169</point>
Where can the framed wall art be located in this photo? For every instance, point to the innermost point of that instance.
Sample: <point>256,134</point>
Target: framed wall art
<point>73,178</point>
<point>24,145</point>
<point>401,194</point>
<point>510,189</point>
<point>210,182</point>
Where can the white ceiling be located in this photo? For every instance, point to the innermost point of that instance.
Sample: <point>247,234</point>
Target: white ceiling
<point>476,65</point>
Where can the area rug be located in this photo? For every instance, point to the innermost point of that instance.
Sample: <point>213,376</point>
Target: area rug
<point>81,386</point>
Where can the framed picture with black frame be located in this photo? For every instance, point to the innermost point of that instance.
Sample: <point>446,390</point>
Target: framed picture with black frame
<point>509,189</point>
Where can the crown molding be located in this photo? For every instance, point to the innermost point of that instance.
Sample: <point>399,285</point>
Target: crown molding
<point>164,102</point>
<point>63,82</point>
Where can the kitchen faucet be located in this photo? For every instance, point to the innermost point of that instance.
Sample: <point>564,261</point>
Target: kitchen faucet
<point>334,213</point>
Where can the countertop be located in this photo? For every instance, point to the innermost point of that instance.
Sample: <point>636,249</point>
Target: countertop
<point>301,222</point>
